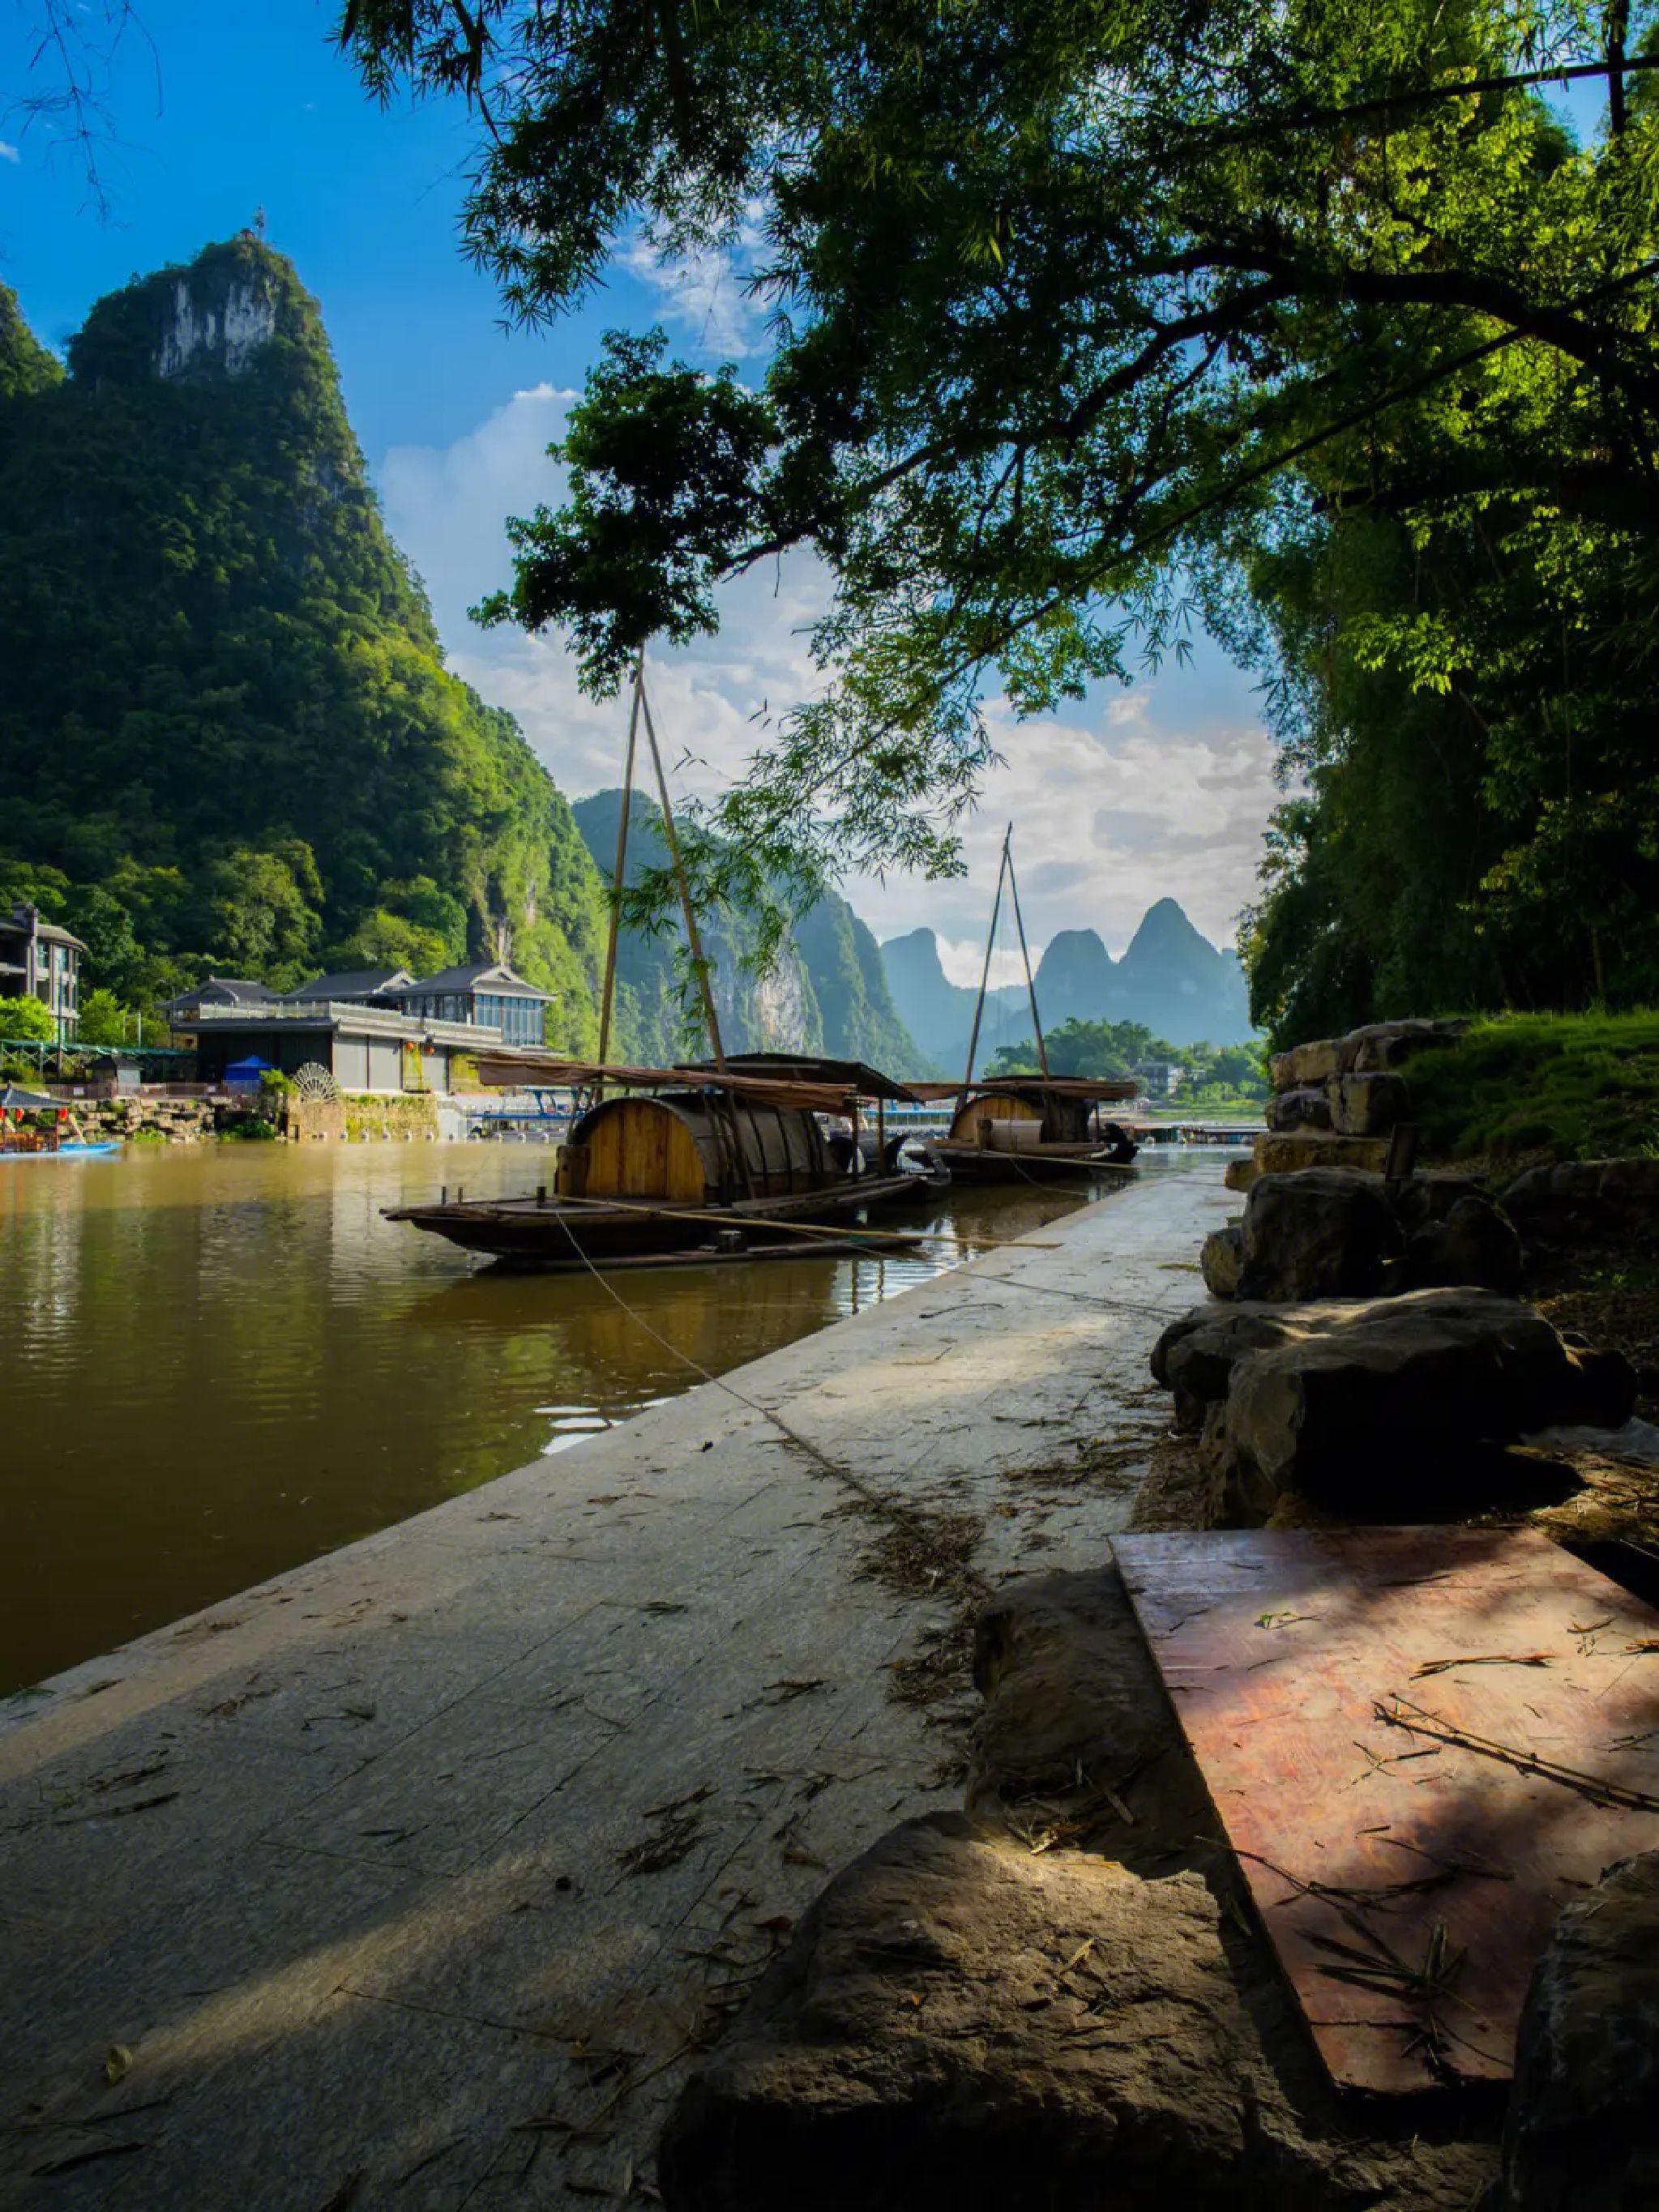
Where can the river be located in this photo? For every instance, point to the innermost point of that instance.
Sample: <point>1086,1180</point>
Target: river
<point>218,1360</point>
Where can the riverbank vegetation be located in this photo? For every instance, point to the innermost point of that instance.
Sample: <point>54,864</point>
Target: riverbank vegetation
<point>1333,330</point>
<point>1215,1076</point>
<point>1575,1086</point>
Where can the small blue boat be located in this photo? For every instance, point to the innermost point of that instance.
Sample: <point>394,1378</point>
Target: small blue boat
<point>35,1145</point>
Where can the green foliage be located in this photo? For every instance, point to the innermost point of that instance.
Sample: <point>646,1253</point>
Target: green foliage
<point>1090,320</point>
<point>22,1020</point>
<point>227,739</point>
<point>651,446</point>
<point>1085,1047</point>
<point>104,1020</point>
<point>26,367</point>
<point>248,1129</point>
<point>1210,1075</point>
<point>1581,1086</point>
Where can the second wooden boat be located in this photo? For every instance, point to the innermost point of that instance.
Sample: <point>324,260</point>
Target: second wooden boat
<point>1016,1129</point>
<point>1027,1128</point>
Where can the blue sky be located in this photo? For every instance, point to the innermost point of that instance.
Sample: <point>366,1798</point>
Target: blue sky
<point>1163,788</point>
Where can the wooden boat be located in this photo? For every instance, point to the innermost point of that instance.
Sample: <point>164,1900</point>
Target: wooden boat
<point>1027,1128</point>
<point>19,1141</point>
<point>1017,1129</point>
<point>684,1160</point>
<point>722,1156</point>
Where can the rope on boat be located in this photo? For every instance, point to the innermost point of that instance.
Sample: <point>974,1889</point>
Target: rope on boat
<point>882,1501</point>
<point>807,1228</point>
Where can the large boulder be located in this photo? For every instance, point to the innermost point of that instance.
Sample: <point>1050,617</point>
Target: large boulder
<point>1337,1232</point>
<point>1220,1258</point>
<point>1305,1067</point>
<point>1475,1243</point>
<point>1321,1233</point>
<point>1380,1046</point>
<point>1583,2129</point>
<point>1391,1399</point>
<point>1365,1404</point>
<point>1569,1198</point>
<point>1284,1151</point>
<point>1363,1105</point>
<point>961,2024</point>
<point>1072,1702</point>
<point>1195,1355</point>
<point>1308,1107</point>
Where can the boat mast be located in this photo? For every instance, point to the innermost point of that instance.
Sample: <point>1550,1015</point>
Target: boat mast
<point>985,973</point>
<point>1030,987</point>
<point>694,936</point>
<point>691,930</point>
<point>607,998</point>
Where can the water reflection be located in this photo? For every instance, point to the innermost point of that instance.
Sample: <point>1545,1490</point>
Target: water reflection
<point>221,1361</point>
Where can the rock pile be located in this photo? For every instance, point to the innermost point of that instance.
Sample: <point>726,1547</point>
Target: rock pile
<point>1372,1406</point>
<point>1336,1101</point>
<point>1339,1232</point>
<point>1602,1200</point>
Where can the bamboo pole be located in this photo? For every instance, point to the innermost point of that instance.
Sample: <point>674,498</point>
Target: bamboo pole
<point>1030,983</point>
<point>693,935</point>
<point>618,872</point>
<point>985,973</point>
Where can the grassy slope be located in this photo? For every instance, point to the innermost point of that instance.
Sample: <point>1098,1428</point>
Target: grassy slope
<point>1582,1086</point>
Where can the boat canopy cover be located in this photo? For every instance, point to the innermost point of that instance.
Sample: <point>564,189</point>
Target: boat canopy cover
<point>14,1099</point>
<point>771,1080</point>
<point>852,1075</point>
<point>1033,1088</point>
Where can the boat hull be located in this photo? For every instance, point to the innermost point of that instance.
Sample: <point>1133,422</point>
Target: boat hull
<point>983,1164</point>
<point>554,1232</point>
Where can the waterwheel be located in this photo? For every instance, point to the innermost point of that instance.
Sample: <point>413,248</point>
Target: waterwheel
<point>312,1080</point>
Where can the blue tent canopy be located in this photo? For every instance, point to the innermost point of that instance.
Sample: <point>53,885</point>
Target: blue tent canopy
<point>246,1072</point>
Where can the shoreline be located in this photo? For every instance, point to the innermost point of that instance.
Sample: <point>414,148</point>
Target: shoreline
<point>558,1760</point>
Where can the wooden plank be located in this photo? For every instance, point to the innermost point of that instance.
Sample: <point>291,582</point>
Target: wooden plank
<point>1358,1701</point>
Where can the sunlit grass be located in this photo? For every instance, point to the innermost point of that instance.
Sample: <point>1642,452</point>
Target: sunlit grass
<point>1582,1087</point>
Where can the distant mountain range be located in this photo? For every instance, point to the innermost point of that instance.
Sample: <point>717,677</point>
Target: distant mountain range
<point>1183,988</point>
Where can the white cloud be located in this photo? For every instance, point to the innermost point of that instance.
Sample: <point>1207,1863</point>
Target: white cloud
<point>963,959</point>
<point>704,294</point>
<point>1159,789</point>
<point>9,152</point>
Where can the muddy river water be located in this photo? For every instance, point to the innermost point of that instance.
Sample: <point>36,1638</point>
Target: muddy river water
<point>218,1360</point>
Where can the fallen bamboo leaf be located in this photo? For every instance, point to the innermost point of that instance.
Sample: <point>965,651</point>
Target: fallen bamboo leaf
<point>65,2159</point>
<point>1484,1659</point>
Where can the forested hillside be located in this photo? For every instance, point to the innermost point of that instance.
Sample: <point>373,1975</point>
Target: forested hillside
<point>227,737</point>
<point>826,991</point>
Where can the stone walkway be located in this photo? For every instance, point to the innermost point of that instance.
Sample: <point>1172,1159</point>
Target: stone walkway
<point>418,1877</point>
